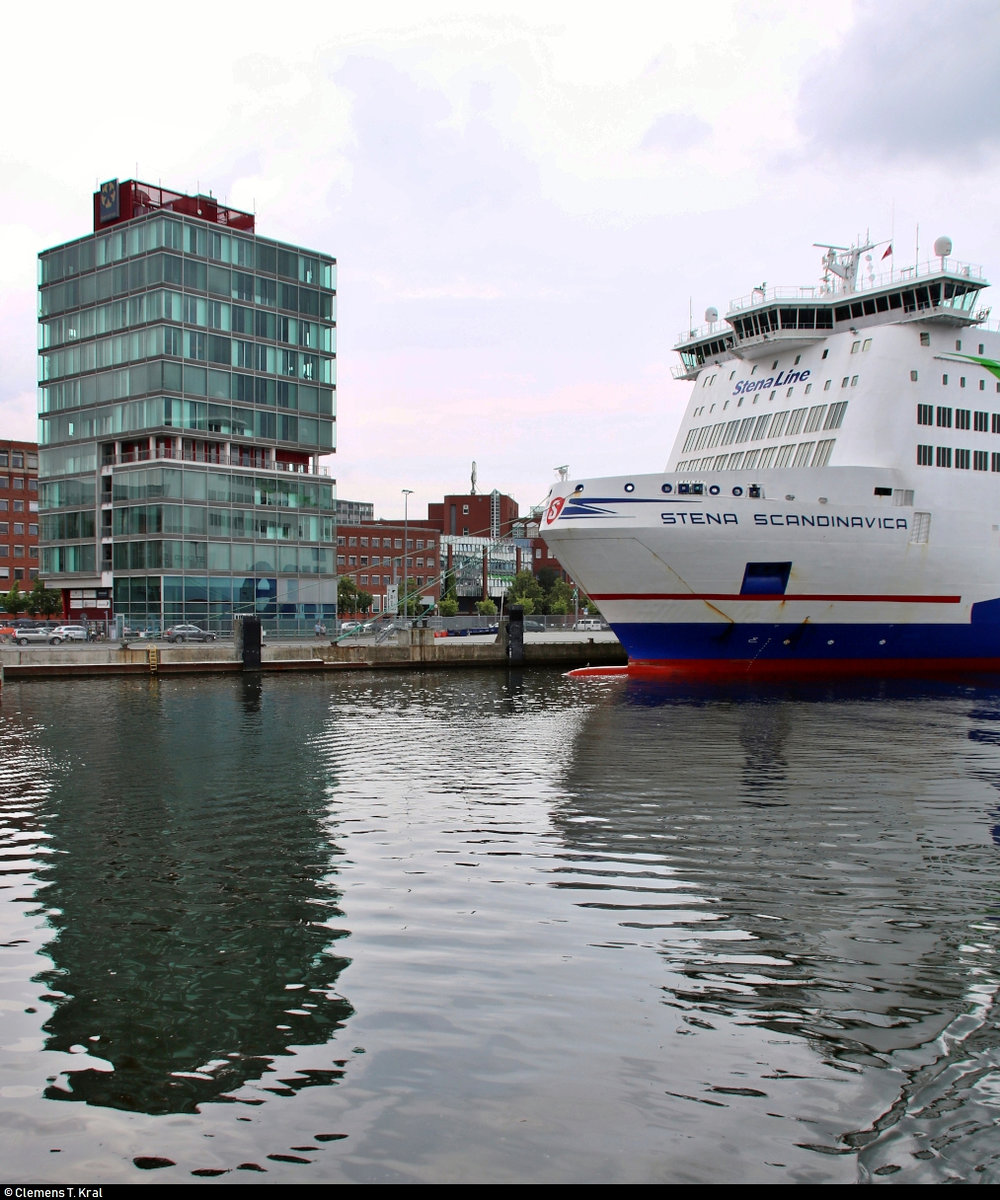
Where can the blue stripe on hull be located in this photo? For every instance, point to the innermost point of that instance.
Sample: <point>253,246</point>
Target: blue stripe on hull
<point>675,642</point>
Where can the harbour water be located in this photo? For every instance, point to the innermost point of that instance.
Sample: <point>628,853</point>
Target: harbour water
<point>498,927</point>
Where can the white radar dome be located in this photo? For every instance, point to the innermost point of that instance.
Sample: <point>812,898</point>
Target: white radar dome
<point>942,247</point>
<point>711,315</point>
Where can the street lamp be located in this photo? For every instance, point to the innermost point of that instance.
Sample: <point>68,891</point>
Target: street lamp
<point>407,493</point>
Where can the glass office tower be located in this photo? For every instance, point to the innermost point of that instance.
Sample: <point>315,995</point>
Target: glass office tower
<point>187,394</point>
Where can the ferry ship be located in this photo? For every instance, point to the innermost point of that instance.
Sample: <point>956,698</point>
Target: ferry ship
<point>832,499</point>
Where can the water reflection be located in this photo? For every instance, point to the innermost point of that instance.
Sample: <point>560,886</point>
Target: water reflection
<point>192,887</point>
<point>597,931</point>
<point>808,863</point>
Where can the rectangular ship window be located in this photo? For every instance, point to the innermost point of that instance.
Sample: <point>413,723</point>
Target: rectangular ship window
<point>765,579</point>
<point>921,529</point>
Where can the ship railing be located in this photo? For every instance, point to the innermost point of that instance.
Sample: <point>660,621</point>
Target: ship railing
<point>870,283</point>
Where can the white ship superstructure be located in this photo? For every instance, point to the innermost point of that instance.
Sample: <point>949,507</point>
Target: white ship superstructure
<point>833,494</point>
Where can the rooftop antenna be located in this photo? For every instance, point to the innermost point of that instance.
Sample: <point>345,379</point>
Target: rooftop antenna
<point>563,473</point>
<point>473,477</point>
<point>843,261</point>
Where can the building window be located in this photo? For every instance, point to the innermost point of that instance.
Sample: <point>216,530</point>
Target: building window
<point>925,414</point>
<point>944,456</point>
<point>925,339</point>
<point>980,460</point>
<point>944,380</point>
<point>963,418</point>
<point>981,422</point>
<point>944,417</point>
<point>913,377</point>
<point>925,456</point>
<point>963,460</point>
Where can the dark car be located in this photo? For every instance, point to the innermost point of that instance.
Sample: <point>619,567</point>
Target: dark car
<point>188,633</point>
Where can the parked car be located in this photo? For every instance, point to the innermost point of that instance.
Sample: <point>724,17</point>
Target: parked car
<point>9,630</point>
<point>26,635</point>
<point>67,633</point>
<point>531,626</point>
<point>589,623</point>
<point>188,633</point>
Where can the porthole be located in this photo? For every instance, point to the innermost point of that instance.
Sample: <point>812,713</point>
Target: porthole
<point>737,491</point>
<point>667,488</point>
<point>629,487</point>
<point>714,490</point>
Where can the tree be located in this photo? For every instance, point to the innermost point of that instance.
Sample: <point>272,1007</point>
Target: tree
<point>14,601</point>
<point>347,594</point>
<point>547,578</point>
<point>46,601</point>
<point>560,598</point>
<point>526,591</point>
<point>486,608</point>
<point>448,606</point>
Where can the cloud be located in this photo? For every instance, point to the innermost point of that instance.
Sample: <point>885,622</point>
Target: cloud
<point>909,81</point>
<point>675,132</point>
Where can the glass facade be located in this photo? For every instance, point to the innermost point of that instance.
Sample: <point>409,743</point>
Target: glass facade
<point>187,393</point>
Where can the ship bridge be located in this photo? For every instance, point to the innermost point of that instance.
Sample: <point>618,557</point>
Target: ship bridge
<point>788,319</point>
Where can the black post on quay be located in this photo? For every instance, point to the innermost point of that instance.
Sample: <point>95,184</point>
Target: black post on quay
<point>515,634</point>
<point>248,642</point>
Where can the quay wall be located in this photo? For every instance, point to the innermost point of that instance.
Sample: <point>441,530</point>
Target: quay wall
<point>416,649</point>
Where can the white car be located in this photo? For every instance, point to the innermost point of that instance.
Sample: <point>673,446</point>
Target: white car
<point>67,633</point>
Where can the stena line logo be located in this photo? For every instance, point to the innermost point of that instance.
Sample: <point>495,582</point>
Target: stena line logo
<point>745,386</point>
<point>554,509</point>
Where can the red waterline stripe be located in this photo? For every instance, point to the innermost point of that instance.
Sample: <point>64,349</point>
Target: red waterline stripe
<point>728,670</point>
<point>853,598</point>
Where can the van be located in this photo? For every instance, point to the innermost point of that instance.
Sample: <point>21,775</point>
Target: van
<point>589,623</point>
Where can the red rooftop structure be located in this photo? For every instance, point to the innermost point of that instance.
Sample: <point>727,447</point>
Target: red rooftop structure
<point>116,202</point>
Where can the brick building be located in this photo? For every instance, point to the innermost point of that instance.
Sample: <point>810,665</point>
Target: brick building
<point>18,515</point>
<point>371,553</point>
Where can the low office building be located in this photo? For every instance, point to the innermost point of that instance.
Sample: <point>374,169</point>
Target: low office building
<point>371,556</point>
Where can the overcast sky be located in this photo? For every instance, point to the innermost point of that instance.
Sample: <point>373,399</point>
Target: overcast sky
<point>525,199</point>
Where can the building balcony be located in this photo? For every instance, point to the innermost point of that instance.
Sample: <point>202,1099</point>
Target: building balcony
<point>253,462</point>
